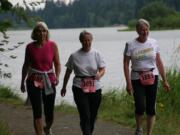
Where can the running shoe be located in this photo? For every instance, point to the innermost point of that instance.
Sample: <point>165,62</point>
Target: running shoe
<point>138,132</point>
<point>48,131</point>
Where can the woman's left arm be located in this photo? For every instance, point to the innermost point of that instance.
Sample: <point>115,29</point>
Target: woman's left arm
<point>57,64</point>
<point>160,67</point>
<point>100,73</point>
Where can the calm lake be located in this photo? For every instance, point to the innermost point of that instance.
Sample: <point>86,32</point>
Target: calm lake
<point>107,40</point>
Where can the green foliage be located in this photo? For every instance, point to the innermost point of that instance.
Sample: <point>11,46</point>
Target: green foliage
<point>5,92</point>
<point>132,24</point>
<point>95,13</point>
<point>11,15</point>
<point>168,106</point>
<point>4,25</point>
<point>4,130</point>
<point>159,15</point>
<point>168,22</point>
<point>87,13</point>
<point>7,95</point>
<point>170,100</point>
<point>5,5</point>
<point>154,10</point>
<point>65,108</point>
<point>117,106</point>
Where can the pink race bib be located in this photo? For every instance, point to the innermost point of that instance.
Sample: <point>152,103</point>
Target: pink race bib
<point>147,78</point>
<point>39,84</point>
<point>88,85</point>
<point>38,80</point>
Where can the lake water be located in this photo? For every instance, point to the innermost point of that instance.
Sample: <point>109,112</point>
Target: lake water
<point>107,40</point>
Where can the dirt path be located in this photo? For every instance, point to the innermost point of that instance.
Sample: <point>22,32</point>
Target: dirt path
<point>19,119</point>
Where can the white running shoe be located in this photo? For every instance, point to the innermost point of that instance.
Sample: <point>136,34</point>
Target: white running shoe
<point>48,131</point>
<point>138,132</point>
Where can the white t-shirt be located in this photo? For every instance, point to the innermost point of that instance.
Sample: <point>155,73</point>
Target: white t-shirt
<point>143,56</point>
<point>85,64</point>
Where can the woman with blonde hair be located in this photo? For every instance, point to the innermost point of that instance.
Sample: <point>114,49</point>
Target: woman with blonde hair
<point>144,55</point>
<point>41,70</point>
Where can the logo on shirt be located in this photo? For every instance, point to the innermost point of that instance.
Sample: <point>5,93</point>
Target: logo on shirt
<point>143,54</point>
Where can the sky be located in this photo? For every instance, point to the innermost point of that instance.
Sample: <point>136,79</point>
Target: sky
<point>20,2</point>
<point>14,2</point>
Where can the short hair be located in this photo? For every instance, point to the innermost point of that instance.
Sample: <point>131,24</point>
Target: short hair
<point>141,22</point>
<point>38,24</point>
<point>82,34</point>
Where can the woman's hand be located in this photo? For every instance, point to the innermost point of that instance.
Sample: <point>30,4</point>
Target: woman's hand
<point>23,88</point>
<point>166,86</point>
<point>56,82</point>
<point>129,88</point>
<point>97,77</point>
<point>100,73</point>
<point>63,92</point>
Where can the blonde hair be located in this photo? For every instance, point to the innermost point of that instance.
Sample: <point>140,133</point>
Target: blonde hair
<point>39,24</point>
<point>141,22</point>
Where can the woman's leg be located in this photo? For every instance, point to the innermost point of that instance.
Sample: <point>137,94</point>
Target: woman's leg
<point>150,124</point>
<point>38,126</point>
<point>151,93</point>
<point>139,98</point>
<point>139,121</point>
<point>48,101</point>
<point>95,100</point>
<point>35,97</point>
<point>82,102</point>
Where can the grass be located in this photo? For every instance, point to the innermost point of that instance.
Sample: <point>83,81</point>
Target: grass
<point>118,106</point>
<point>168,118</point>
<point>4,130</point>
<point>66,108</point>
<point>7,96</point>
<point>115,107</point>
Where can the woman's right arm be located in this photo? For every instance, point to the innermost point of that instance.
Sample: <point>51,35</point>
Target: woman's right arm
<point>66,79</point>
<point>126,62</point>
<point>25,71</point>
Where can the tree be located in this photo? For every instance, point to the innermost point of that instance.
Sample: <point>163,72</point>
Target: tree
<point>4,24</point>
<point>9,16</point>
<point>155,9</point>
<point>159,14</point>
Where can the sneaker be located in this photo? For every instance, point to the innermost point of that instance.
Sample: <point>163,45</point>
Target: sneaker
<point>47,131</point>
<point>138,132</point>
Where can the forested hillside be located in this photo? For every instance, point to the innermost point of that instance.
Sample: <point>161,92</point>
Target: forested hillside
<point>101,13</point>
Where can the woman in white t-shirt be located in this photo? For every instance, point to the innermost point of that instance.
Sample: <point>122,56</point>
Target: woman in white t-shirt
<point>88,66</point>
<point>143,53</point>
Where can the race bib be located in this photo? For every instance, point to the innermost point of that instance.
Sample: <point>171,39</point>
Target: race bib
<point>39,84</point>
<point>88,85</point>
<point>147,78</point>
<point>38,81</point>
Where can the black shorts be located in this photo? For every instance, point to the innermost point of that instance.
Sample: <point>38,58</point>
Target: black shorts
<point>37,97</point>
<point>145,97</point>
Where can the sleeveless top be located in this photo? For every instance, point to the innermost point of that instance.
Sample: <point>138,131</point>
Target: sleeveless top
<point>41,58</point>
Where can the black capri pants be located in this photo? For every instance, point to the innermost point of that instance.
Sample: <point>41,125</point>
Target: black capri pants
<point>87,105</point>
<point>37,98</point>
<point>145,97</point>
